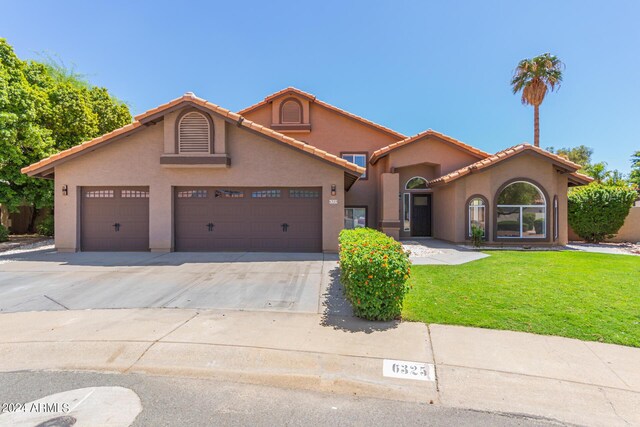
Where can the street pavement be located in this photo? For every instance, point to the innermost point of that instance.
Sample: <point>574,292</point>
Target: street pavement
<point>166,401</point>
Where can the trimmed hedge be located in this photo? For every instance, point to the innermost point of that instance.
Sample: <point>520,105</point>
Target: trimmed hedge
<point>374,271</point>
<point>597,212</point>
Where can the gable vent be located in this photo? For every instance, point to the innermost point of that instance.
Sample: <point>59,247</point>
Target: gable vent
<point>291,112</point>
<point>194,135</point>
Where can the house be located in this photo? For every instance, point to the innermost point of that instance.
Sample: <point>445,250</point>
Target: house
<point>287,174</point>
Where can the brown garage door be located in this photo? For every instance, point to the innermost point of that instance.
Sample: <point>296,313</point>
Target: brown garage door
<point>248,219</point>
<point>115,219</point>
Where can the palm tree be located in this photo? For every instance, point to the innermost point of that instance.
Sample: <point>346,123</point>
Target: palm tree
<point>534,77</point>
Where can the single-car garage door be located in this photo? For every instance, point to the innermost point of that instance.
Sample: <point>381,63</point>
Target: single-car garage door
<point>248,219</point>
<point>115,219</point>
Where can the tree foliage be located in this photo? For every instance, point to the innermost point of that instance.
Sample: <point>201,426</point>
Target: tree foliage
<point>634,177</point>
<point>580,154</point>
<point>597,211</point>
<point>534,77</point>
<point>45,109</point>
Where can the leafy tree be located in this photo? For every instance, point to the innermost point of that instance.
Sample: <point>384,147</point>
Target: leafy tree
<point>580,154</point>
<point>616,178</point>
<point>635,169</point>
<point>597,212</point>
<point>22,140</point>
<point>534,77</point>
<point>45,108</point>
<point>598,171</point>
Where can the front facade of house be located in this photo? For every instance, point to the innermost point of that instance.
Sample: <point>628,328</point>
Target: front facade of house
<point>286,175</point>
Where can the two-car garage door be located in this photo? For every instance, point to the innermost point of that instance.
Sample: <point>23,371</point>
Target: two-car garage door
<point>206,219</point>
<point>248,219</point>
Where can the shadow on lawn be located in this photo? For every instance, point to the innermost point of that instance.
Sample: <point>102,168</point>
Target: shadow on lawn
<point>338,313</point>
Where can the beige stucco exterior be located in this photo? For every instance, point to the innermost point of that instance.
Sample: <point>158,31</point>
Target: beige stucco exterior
<point>256,161</point>
<point>431,158</point>
<point>450,202</point>
<point>338,134</point>
<point>245,154</point>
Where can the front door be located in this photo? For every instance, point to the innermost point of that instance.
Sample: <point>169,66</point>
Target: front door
<point>421,215</point>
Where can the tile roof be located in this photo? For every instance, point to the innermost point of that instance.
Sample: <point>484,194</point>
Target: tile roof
<point>505,154</point>
<point>191,98</point>
<point>429,132</point>
<point>315,100</point>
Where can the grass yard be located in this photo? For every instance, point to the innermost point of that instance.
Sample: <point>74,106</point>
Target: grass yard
<point>594,297</point>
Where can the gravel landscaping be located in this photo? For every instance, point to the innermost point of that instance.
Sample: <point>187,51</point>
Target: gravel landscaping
<point>24,245</point>
<point>418,249</point>
<point>607,248</point>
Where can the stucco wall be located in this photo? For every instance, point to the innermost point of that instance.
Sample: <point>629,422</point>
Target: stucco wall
<point>450,203</point>
<point>433,151</point>
<point>629,232</point>
<point>335,133</point>
<point>135,161</point>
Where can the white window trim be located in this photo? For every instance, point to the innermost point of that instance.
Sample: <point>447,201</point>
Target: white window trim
<point>414,189</point>
<point>543,206</point>
<point>470,207</point>
<point>364,175</point>
<point>352,208</point>
<point>406,207</point>
<point>544,212</point>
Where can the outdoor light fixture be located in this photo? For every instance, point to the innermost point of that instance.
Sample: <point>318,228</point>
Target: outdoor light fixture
<point>333,189</point>
<point>65,190</point>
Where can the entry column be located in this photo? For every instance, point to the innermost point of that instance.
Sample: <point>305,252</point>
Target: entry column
<point>390,190</point>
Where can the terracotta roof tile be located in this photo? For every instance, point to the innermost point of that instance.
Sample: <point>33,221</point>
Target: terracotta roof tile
<point>315,100</point>
<point>190,97</point>
<point>429,132</point>
<point>503,155</point>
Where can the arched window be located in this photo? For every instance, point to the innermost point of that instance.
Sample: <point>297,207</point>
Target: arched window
<point>416,183</point>
<point>290,111</point>
<point>476,214</point>
<point>194,133</point>
<point>521,212</point>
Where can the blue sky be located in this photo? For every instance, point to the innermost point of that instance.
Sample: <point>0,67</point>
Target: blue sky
<point>406,65</point>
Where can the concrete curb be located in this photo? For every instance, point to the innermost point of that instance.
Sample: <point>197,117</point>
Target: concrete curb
<point>497,371</point>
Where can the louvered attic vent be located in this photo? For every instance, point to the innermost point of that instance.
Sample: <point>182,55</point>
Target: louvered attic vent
<point>194,135</point>
<point>291,112</point>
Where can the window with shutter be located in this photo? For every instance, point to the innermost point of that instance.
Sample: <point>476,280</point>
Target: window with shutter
<point>291,111</point>
<point>194,134</point>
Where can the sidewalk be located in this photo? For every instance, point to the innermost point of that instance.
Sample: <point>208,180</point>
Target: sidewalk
<point>563,379</point>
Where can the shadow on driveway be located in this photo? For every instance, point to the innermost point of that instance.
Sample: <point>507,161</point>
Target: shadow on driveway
<point>136,259</point>
<point>338,313</point>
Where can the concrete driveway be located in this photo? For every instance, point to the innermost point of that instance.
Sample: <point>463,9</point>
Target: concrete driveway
<point>47,280</point>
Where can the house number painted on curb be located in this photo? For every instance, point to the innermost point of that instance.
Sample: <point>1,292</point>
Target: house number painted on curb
<point>408,370</point>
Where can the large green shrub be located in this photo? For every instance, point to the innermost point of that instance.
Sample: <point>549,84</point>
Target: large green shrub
<point>597,212</point>
<point>374,271</point>
<point>4,233</point>
<point>46,226</point>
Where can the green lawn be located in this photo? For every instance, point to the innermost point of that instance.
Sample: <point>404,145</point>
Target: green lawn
<point>594,297</point>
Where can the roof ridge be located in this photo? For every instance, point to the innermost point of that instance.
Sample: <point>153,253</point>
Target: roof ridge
<point>190,97</point>
<point>503,155</point>
<point>315,99</point>
<point>384,150</point>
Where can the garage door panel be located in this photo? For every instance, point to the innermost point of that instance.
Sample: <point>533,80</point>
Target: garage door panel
<point>251,220</point>
<point>104,207</point>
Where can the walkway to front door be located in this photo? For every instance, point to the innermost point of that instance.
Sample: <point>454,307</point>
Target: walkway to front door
<point>432,251</point>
